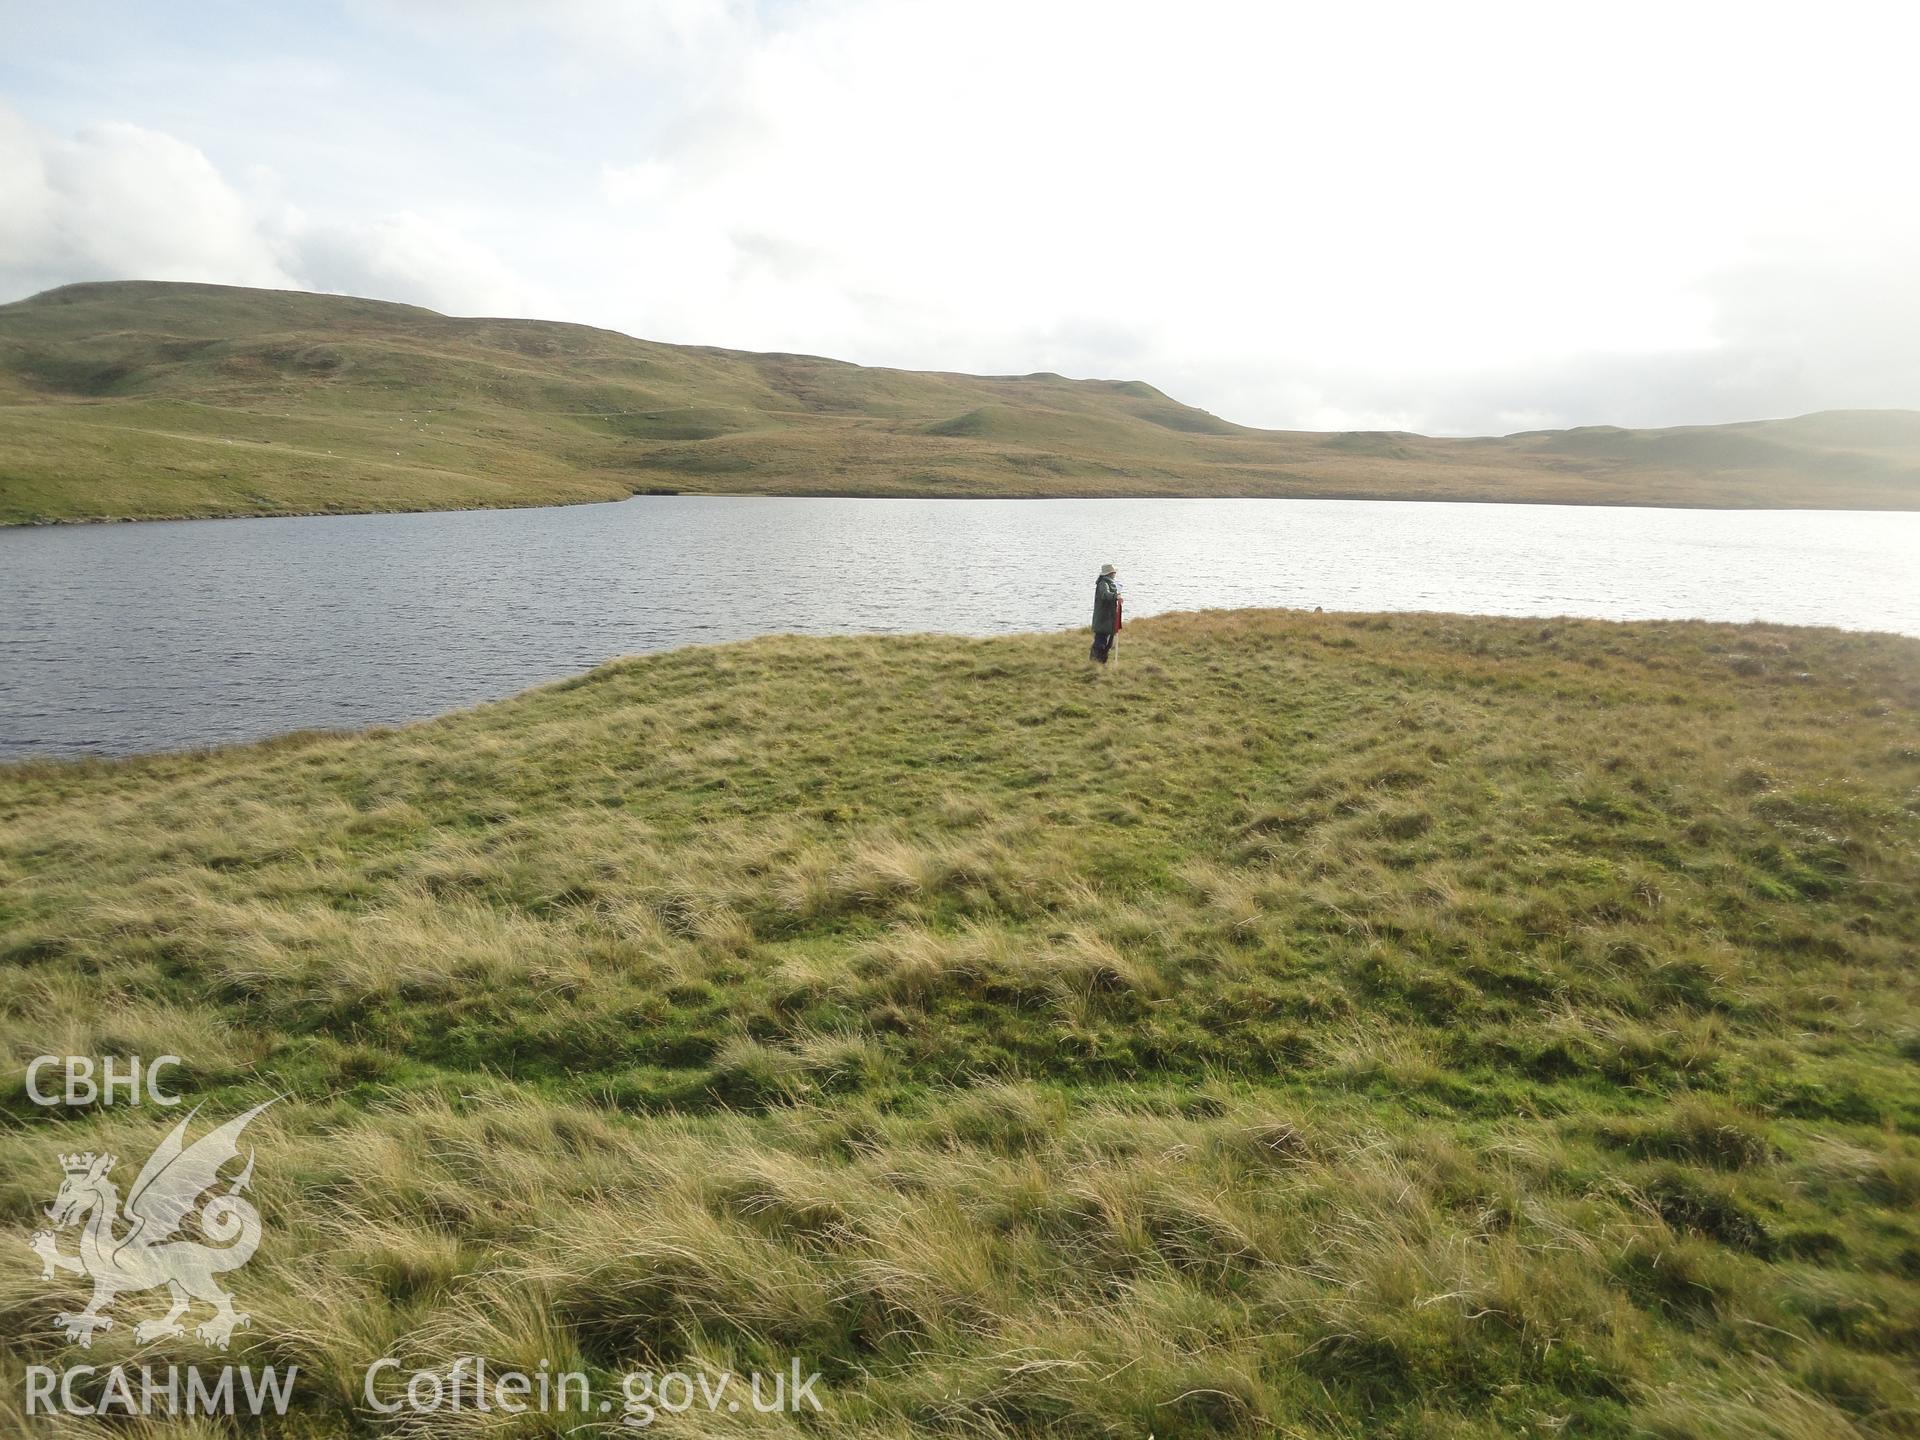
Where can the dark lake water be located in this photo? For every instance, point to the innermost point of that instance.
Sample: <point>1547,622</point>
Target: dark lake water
<point>119,638</point>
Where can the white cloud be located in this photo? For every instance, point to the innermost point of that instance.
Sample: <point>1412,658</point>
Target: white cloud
<point>1291,216</point>
<point>1454,218</point>
<point>26,217</point>
<point>118,201</point>
<point>121,202</point>
<point>409,256</point>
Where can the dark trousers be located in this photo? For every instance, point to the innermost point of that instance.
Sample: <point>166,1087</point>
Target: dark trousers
<point>1102,645</point>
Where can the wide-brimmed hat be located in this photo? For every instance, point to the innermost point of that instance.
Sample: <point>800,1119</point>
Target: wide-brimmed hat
<point>1106,569</point>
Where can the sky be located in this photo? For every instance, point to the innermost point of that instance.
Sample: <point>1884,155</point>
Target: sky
<point>1460,219</point>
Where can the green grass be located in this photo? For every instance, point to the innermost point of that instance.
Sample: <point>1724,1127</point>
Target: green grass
<point>1317,1025</point>
<point>143,400</point>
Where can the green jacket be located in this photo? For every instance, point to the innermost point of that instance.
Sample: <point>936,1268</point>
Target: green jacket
<point>1106,601</point>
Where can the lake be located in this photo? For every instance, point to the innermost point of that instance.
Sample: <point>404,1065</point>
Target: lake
<point>123,638</point>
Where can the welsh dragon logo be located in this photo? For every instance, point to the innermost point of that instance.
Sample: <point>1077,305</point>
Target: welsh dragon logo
<point>144,1248</point>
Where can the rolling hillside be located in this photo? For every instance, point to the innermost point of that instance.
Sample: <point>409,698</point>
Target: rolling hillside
<point>136,400</point>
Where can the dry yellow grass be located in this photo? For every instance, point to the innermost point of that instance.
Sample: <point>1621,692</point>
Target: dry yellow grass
<point>1324,1025</point>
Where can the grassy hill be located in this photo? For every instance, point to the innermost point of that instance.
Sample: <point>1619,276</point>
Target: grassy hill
<point>1319,1026</point>
<point>137,400</point>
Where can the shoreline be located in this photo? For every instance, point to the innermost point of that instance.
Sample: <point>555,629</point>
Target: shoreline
<point>1370,498</point>
<point>13,766</point>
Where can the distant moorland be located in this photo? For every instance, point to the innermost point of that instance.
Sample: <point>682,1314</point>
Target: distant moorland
<point>1321,1025</point>
<point>138,400</point>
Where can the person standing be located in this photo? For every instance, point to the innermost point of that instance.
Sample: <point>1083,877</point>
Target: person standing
<point>1106,612</point>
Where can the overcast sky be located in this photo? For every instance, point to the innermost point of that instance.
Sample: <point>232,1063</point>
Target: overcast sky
<point>1456,218</point>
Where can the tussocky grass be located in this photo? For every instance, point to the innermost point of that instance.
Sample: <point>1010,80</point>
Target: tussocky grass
<point>1315,1025</point>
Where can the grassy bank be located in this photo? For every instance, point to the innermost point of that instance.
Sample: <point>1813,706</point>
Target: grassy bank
<point>158,401</point>
<point>1318,1025</point>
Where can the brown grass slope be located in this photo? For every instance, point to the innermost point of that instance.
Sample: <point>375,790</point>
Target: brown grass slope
<point>133,400</point>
